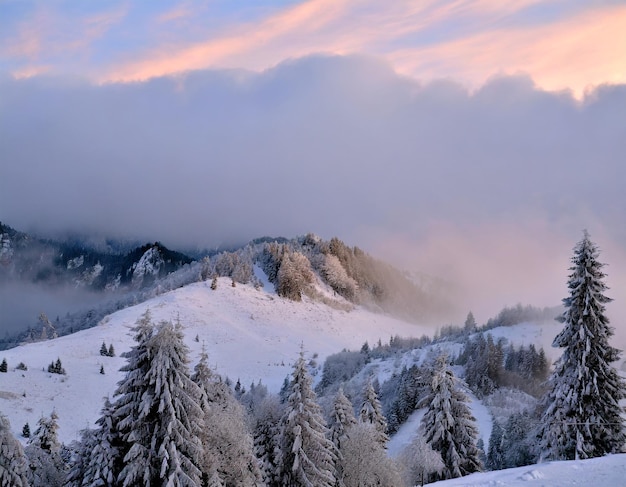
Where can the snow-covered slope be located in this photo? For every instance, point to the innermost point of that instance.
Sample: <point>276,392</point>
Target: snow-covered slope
<point>609,471</point>
<point>248,333</point>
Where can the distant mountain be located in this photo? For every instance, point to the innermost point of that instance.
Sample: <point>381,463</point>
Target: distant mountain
<point>74,263</point>
<point>80,281</point>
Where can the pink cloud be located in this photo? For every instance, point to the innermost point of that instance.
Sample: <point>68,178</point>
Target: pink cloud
<point>576,53</point>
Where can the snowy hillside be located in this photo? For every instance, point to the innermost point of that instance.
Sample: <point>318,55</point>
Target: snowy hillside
<point>248,333</point>
<point>609,471</point>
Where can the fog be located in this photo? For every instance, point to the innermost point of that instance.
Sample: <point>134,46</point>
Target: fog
<point>490,189</point>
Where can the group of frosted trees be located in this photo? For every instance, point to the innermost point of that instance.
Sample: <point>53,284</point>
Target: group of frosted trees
<point>168,426</point>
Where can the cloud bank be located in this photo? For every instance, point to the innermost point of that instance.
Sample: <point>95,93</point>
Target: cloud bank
<point>493,186</point>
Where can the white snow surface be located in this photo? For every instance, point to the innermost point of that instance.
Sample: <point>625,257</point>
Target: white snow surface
<point>249,334</point>
<point>609,471</point>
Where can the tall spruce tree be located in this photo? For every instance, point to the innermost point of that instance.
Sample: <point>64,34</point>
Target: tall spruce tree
<point>13,465</point>
<point>308,456</point>
<point>448,424</point>
<point>582,416</point>
<point>342,420</point>
<point>159,415</point>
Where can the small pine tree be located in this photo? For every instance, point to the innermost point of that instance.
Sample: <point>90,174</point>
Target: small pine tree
<point>111,351</point>
<point>21,366</point>
<point>102,369</point>
<point>470,323</point>
<point>103,349</point>
<point>3,365</point>
<point>214,283</point>
<point>26,431</point>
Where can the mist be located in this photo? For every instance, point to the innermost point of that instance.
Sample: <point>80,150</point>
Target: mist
<point>490,189</point>
<point>22,303</point>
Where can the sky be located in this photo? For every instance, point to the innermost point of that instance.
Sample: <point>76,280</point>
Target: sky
<point>472,140</point>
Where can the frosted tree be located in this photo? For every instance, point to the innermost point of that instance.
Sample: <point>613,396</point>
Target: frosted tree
<point>228,449</point>
<point>159,415</point>
<point>294,276</point>
<point>495,452</point>
<point>99,462</point>
<point>13,465</point>
<point>267,438</point>
<point>371,412</point>
<point>448,424</point>
<point>46,465</point>
<point>45,436</point>
<point>582,417</point>
<point>364,460</point>
<point>470,323</point>
<point>337,277</point>
<point>342,418</point>
<point>308,456</point>
<point>420,462</point>
<point>130,391</point>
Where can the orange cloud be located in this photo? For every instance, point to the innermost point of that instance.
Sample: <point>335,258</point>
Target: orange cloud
<point>585,50</point>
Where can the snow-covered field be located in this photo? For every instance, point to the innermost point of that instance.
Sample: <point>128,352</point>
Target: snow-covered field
<point>609,471</point>
<point>249,334</point>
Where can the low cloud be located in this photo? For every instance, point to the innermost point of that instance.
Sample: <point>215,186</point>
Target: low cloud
<point>490,187</point>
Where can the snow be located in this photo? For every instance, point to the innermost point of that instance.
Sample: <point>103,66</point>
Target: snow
<point>608,471</point>
<point>249,334</point>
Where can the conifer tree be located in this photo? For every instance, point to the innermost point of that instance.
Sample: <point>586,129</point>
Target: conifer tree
<point>495,455</point>
<point>165,448</point>
<point>228,448</point>
<point>448,424</point>
<point>341,421</point>
<point>26,431</point>
<point>103,349</point>
<point>308,456</point>
<point>13,465</point>
<point>111,351</point>
<point>267,439</point>
<point>101,462</point>
<point>371,412</point>
<point>4,366</point>
<point>158,411</point>
<point>582,417</point>
<point>47,467</point>
<point>342,418</point>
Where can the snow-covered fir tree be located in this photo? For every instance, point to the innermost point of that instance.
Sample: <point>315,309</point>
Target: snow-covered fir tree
<point>448,424</point>
<point>341,421</point>
<point>371,412</point>
<point>99,461</point>
<point>582,417</point>
<point>342,418</point>
<point>159,414</point>
<point>495,453</point>
<point>13,464</point>
<point>228,448</point>
<point>267,438</point>
<point>308,456</point>
<point>46,465</point>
